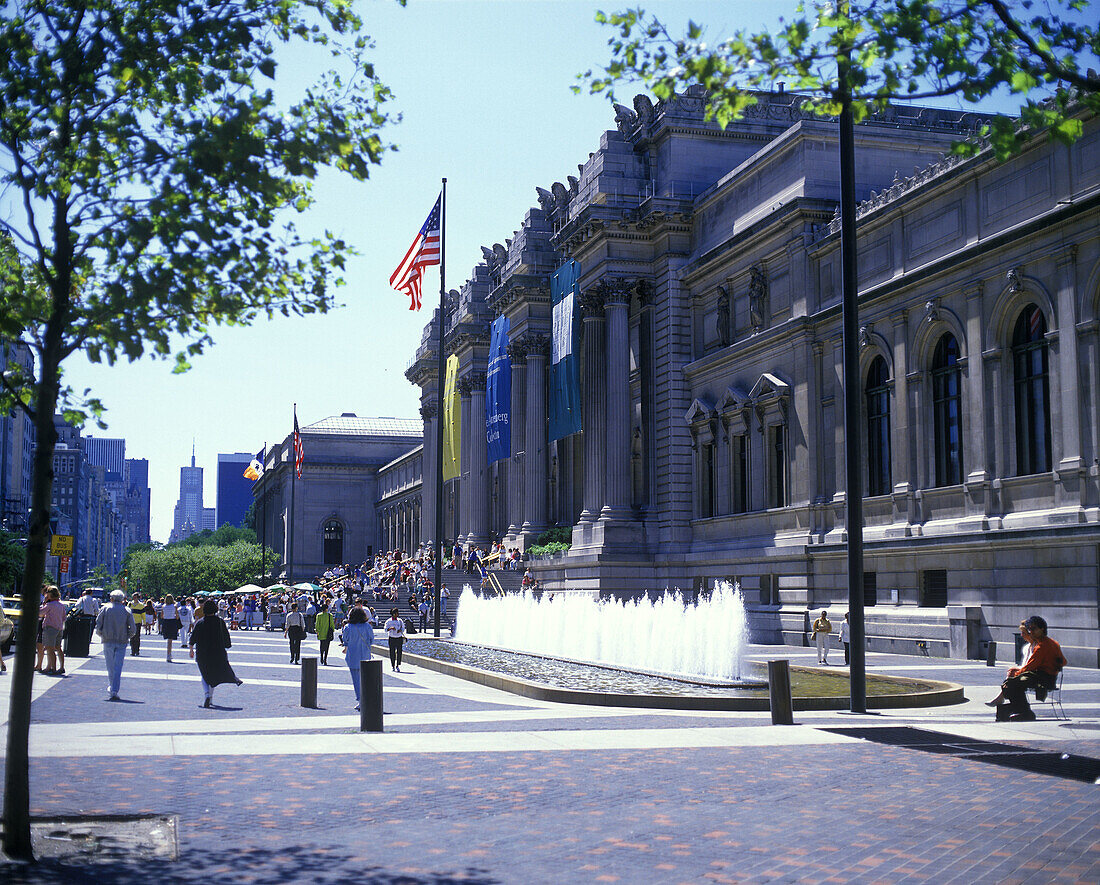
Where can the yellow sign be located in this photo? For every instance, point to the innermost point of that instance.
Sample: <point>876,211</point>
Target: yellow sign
<point>61,545</point>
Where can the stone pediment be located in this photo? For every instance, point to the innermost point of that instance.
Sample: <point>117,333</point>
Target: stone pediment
<point>769,387</point>
<point>733,400</point>
<point>699,412</point>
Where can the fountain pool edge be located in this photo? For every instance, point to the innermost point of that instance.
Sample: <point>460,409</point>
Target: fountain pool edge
<point>944,694</point>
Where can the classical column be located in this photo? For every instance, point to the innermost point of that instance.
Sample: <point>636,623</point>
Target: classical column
<point>429,471</point>
<point>1068,458</point>
<point>465,389</point>
<point>479,466</point>
<point>595,402</point>
<point>517,461</point>
<point>617,439</point>
<point>535,444</point>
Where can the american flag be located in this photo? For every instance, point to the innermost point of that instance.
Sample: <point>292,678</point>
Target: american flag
<point>299,450</point>
<point>424,252</point>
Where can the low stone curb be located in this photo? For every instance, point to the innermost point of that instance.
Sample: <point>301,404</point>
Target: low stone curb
<point>944,693</point>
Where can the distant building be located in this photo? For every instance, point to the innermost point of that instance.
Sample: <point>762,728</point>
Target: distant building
<point>110,454</point>
<point>17,439</point>
<point>335,517</point>
<point>234,490</point>
<point>136,508</point>
<point>70,503</point>
<point>188,515</point>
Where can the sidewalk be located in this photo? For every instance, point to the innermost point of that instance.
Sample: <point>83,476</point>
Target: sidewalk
<point>471,784</point>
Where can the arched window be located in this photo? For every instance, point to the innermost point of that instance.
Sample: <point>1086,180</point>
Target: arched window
<point>947,420</point>
<point>878,428</point>
<point>1029,364</point>
<point>333,534</point>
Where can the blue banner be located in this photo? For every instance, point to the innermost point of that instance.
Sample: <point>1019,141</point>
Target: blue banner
<point>565,383</point>
<point>498,393</point>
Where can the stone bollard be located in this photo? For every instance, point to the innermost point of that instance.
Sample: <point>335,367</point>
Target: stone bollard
<point>370,695</point>
<point>991,654</point>
<point>309,683</point>
<point>779,690</point>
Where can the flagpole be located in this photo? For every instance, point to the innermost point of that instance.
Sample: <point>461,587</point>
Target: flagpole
<point>263,520</point>
<point>439,407</point>
<point>293,483</point>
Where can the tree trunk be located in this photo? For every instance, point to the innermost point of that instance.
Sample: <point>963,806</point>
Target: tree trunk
<point>17,800</point>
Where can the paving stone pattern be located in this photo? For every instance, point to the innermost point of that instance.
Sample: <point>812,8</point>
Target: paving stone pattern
<point>851,811</point>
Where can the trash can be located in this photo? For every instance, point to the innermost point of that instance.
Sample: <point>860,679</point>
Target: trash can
<point>78,635</point>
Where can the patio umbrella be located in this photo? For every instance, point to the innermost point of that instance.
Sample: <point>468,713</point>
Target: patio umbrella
<point>249,588</point>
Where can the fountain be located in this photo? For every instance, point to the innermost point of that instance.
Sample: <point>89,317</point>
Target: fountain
<point>694,641</point>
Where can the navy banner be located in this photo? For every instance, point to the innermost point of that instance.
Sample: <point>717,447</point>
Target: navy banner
<point>498,393</point>
<point>565,383</point>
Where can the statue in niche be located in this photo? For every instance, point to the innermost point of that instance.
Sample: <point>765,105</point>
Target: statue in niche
<point>724,335</point>
<point>758,298</point>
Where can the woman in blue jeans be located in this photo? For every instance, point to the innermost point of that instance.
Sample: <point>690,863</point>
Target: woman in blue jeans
<point>357,637</point>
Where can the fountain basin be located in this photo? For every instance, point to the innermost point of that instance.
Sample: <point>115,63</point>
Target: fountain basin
<point>884,692</point>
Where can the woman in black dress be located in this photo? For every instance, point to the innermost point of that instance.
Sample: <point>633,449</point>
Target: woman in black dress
<point>210,637</point>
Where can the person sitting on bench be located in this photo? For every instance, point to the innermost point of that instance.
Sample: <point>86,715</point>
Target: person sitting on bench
<point>1040,671</point>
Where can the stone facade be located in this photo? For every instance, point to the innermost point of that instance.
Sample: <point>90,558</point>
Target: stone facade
<point>336,516</point>
<point>713,442</point>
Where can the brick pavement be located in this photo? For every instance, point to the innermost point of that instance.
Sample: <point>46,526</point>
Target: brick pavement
<point>641,809</point>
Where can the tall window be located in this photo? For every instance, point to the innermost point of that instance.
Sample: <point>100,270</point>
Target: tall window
<point>1029,363</point>
<point>333,534</point>
<point>777,444</point>
<point>878,428</point>
<point>706,480</point>
<point>739,448</point>
<point>946,400</point>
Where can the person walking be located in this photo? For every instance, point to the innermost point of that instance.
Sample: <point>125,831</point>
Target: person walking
<point>187,618</point>
<point>395,632</point>
<point>170,622</point>
<point>115,626</point>
<point>846,638</point>
<point>424,608</point>
<point>208,641</point>
<point>325,625</point>
<point>295,630</point>
<point>357,637</point>
<point>137,609</point>
<point>821,630</point>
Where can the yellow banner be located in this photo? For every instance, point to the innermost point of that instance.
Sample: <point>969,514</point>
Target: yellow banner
<point>452,423</point>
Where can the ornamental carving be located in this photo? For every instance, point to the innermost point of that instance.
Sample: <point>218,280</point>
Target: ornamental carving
<point>616,290</point>
<point>536,345</point>
<point>592,300</point>
<point>476,380</point>
<point>517,352</point>
<point>643,291</point>
<point>758,298</point>
<point>725,334</point>
<point>1014,280</point>
<point>464,386</point>
<point>428,411</point>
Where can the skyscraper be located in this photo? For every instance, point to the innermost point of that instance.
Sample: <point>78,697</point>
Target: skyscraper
<point>110,454</point>
<point>136,507</point>
<point>234,490</point>
<point>188,516</point>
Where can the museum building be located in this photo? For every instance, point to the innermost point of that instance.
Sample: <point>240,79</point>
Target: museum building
<point>713,437</point>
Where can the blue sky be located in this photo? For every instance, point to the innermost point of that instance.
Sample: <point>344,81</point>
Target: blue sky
<point>484,93</point>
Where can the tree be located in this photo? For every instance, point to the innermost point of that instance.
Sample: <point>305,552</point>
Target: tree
<point>12,556</point>
<point>156,176</point>
<point>913,50</point>
<point>184,568</point>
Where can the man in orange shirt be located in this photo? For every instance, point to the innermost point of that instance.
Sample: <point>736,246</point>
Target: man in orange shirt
<point>1040,670</point>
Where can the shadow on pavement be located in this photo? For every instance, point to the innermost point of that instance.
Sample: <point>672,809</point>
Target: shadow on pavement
<point>227,865</point>
<point>1053,764</point>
